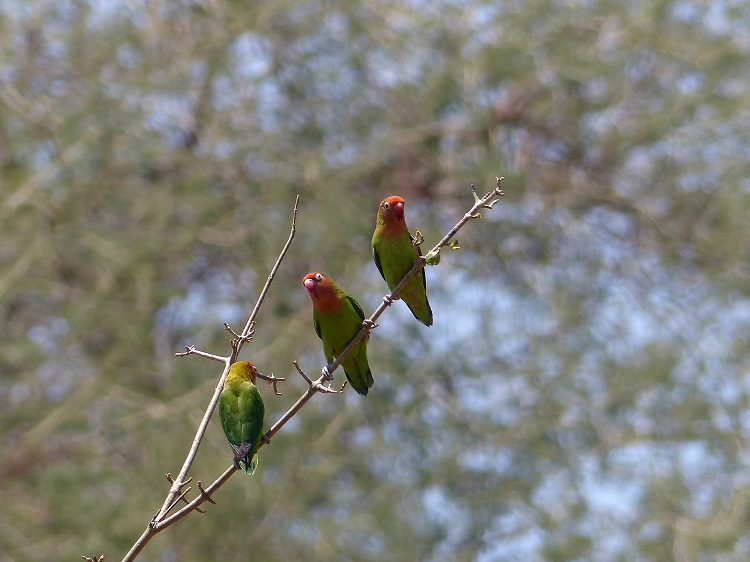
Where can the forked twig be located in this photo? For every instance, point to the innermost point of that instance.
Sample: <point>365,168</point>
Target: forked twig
<point>272,380</point>
<point>247,331</point>
<point>190,350</point>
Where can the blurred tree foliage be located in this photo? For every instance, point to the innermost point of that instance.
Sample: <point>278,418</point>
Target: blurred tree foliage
<point>584,392</point>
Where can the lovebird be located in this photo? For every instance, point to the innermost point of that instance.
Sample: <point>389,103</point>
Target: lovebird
<point>241,412</point>
<point>393,254</point>
<point>337,318</point>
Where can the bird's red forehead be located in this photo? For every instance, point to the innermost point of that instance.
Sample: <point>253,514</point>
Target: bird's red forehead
<point>392,200</point>
<point>390,208</point>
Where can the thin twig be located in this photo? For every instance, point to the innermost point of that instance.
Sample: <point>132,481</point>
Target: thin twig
<point>251,320</point>
<point>171,481</point>
<point>178,482</point>
<point>203,497</point>
<point>190,350</point>
<point>302,373</point>
<point>272,380</point>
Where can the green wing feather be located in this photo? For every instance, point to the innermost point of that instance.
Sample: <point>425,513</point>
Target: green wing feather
<point>394,257</point>
<point>356,367</point>
<point>316,325</point>
<point>357,308</point>
<point>376,258</point>
<point>337,330</point>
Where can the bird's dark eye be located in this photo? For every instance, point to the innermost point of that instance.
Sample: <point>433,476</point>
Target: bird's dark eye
<point>318,277</point>
<point>386,205</point>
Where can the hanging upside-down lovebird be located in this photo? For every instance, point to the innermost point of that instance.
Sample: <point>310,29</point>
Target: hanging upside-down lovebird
<point>337,318</point>
<point>241,412</point>
<point>393,253</point>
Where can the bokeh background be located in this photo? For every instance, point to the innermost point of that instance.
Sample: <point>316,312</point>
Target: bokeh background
<point>583,394</point>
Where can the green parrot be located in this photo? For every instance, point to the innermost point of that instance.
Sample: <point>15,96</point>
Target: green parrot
<point>241,412</point>
<point>337,318</point>
<point>393,253</point>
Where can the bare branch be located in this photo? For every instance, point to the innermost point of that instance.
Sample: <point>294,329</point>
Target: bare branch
<point>486,202</point>
<point>163,519</point>
<point>205,494</point>
<point>330,390</point>
<point>203,497</point>
<point>313,388</point>
<point>251,320</point>
<point>160,520</point>
<point>190,350</point>
<point>182,496</point>
<point>247,337</point>
<point>178,499</point>
<point>272,380</point>
<point>179,481</point>
<point>301,372</point>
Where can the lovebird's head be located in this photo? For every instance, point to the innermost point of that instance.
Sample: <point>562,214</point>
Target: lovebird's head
<point>391,210</point>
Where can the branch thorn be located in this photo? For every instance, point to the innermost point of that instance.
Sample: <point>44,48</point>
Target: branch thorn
<point>189,349</point>
<point>474,191</point>
<point>205,494</point>
<point>169,478</point>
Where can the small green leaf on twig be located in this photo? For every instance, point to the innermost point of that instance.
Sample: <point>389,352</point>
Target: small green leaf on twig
<point>433,258</point>
<point>455,245</point>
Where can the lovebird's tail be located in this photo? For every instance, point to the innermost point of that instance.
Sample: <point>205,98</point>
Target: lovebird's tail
<point>250,467</point>
<point>423,313</point>
<point>242,458</point>
<point>360,384</point>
